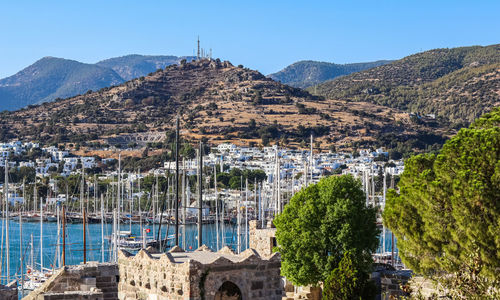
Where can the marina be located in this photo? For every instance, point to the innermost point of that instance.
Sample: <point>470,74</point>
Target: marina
<point>102,215</point>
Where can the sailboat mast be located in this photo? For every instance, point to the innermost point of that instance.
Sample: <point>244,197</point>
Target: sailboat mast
<point>200,195</point>
<point>132,184</point>
<point>246,212</point>
<point>82,187</point>
<point>278,183</point>
<point>32,253</point>
<point>58,244</point>
<point>35,194</point>
<point>184,203</point>
<point>177,182</point>
<point>6,194</point>
<point>216,209</point>
<point>238,218</point>
<point>21,257</point>
<point>63,258</point>
<point>84,236</point>
<point>139,200</point>
<point>102,227</point>
<point>118,195</point>
<point>115,240</point>
<point>261,215</point>
<point>41,235</point>
<point>222,229</point>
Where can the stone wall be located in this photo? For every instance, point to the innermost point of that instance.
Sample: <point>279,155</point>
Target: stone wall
<point>261,239</point>
<point>9,292</point>
<point>199,275</point>
<point>391,283</point>
<point>257,279</point>
<point>72,296</point>
<point>85,281</point>
<point>142,275</point>
<point>304,293</point>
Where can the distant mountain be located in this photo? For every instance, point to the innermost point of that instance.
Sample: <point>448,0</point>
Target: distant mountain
<point>50,77</point>
<point>218,102</point>
<point>307,73</point>
<point>457,84</point>
<point>134,65</point>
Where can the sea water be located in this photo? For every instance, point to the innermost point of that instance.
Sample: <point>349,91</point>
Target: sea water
<point>74,242</point>
<point>94,241</point>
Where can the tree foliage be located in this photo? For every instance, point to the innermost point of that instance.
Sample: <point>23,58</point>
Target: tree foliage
<point>448,206</point>
<point>320,224</point>
<point>348,282</point>
<point>236,177</point>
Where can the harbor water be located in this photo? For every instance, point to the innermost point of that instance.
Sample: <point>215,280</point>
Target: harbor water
<point>74,242</point>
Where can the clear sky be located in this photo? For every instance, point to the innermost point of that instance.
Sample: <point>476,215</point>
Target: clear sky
<point>263,35</point>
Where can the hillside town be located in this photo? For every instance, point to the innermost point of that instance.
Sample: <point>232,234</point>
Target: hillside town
<point>296,167</point>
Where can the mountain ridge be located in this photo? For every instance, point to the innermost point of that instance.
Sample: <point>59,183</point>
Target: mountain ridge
<point>51,77</point>
<point>456,84</point>
<point>218,102</point>
<point>305,73</point>
<point>136,65</point>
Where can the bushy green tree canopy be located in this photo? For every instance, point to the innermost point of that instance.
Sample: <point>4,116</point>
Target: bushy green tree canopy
<point>448,207</point>
<point>347,282</point>
<point>320,224</point>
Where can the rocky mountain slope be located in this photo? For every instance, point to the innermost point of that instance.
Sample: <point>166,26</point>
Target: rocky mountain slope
<point>457,84</point>
<point>50,77</point>
<point>218,102</point>
<point>306,73</point>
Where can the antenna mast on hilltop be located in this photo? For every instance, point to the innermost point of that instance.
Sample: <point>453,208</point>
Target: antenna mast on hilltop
<point>198,53</point>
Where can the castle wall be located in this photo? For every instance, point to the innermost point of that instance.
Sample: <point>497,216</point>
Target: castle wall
<point>9,292</point>
<point>257,279</point>
<point>145,277</point>
<point>93,281</point>
<point>198,275</point>
<point>262,239</point>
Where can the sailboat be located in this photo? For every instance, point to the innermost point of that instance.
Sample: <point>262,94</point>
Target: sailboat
<point>36,277</point>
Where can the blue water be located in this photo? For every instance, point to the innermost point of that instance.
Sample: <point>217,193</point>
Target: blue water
<point>74,242</point>
<point>388,242</point>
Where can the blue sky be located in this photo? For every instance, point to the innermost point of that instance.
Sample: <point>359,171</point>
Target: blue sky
<point>263,35</point>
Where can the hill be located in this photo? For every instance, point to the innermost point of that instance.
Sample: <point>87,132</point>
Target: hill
<point>218,102</point>
<point>307,73</point>
<point>50,78</point>
<point>457,85</point>
<point>134,65</point>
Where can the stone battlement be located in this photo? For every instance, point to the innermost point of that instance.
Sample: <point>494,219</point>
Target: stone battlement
<point>202,274</point>
<point>93,281</point>
<point>175,275</point>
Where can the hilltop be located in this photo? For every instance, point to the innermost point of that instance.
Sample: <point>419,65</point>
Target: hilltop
<point>50,77</point>
<point>219,102</point>
<point>307,73</point>
<point>457,85</point>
